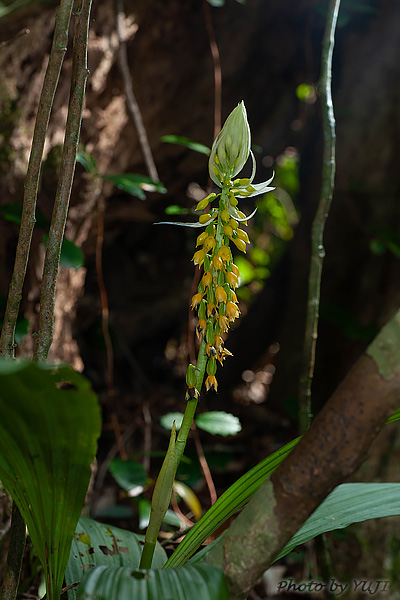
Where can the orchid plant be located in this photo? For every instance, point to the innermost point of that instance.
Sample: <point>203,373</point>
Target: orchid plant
<point>215,301</point>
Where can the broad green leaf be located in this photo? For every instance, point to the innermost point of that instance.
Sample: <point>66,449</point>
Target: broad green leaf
<point>50,421</point>
<point>200,582</point>
<point>71,256</point>
<point>87,161</point>
<point>97,544</point>
<point>135,184</point>
<point>218,423</point>
<point>348,503</point>
<point>187,143</point>
<point>130,475</point>
<point>168,419</point>
<point>234,498</point>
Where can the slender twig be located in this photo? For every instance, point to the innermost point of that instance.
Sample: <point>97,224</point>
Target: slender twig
<point>14,558</point>
<point>146,436</point>
<point>105,326</point>
<point>109,375</point>
<point>317,237</point>
<point>217,67</point>
<point>44,336</point>
<point>131,101</point>
<point>204,465</point>
<point>59,47</point>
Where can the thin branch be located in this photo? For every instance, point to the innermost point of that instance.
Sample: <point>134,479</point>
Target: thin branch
<point>58,49</point>
<point>44,336</point>
<point>14,557</point>
<point>204,465</point>
<point>217,67</point>
<point>132,104</point>
<point>317,237</point>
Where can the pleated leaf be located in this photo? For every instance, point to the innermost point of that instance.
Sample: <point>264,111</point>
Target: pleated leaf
<point>50,421</point>
<point>199,582</point>
<point>97,544</point>
<point>348,503</point>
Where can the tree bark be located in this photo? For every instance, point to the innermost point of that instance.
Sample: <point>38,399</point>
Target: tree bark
<point>331,450</point>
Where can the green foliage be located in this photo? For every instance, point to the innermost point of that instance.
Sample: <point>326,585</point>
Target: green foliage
<point>49,425</point>
<point>192,581</point>
<point>97,544</point>
<point>131,183</point>
<point>186,143</point>
<point>134,184</point>
<point>129,474</point>
<point>71,256</point>
<point>348,503</point>
<point>218,423</point>
<point>385,239</point>
<point>13,214</point>
<point>215,422</point>
<point>234,498</point>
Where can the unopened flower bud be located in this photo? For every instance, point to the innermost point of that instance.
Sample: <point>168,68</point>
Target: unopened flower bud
<point>191,375</point>
<point>231,147</point>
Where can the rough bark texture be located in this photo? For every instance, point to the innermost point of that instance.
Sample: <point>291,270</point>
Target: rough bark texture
<point>331,450</point>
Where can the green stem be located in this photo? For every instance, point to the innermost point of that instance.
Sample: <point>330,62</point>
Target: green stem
<point>317,237</point>
<point>158,503</point>
<point>191,405</point>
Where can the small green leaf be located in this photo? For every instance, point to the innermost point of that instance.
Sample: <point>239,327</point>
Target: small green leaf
<point>87,161</point>
<point>13,214</point>
<point>135,184</point>
<point>130,475</point>
<point>218,423</point>
<point>168,419</point>
<point>187,143</point>
<point>174,209</point>
<point>202,582</point>
<point>377,247</point>
<point>21,329</point>
<point>395,416</point>
<point>71,256</point>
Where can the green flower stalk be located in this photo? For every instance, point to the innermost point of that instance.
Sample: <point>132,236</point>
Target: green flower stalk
<point>215,300</point>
